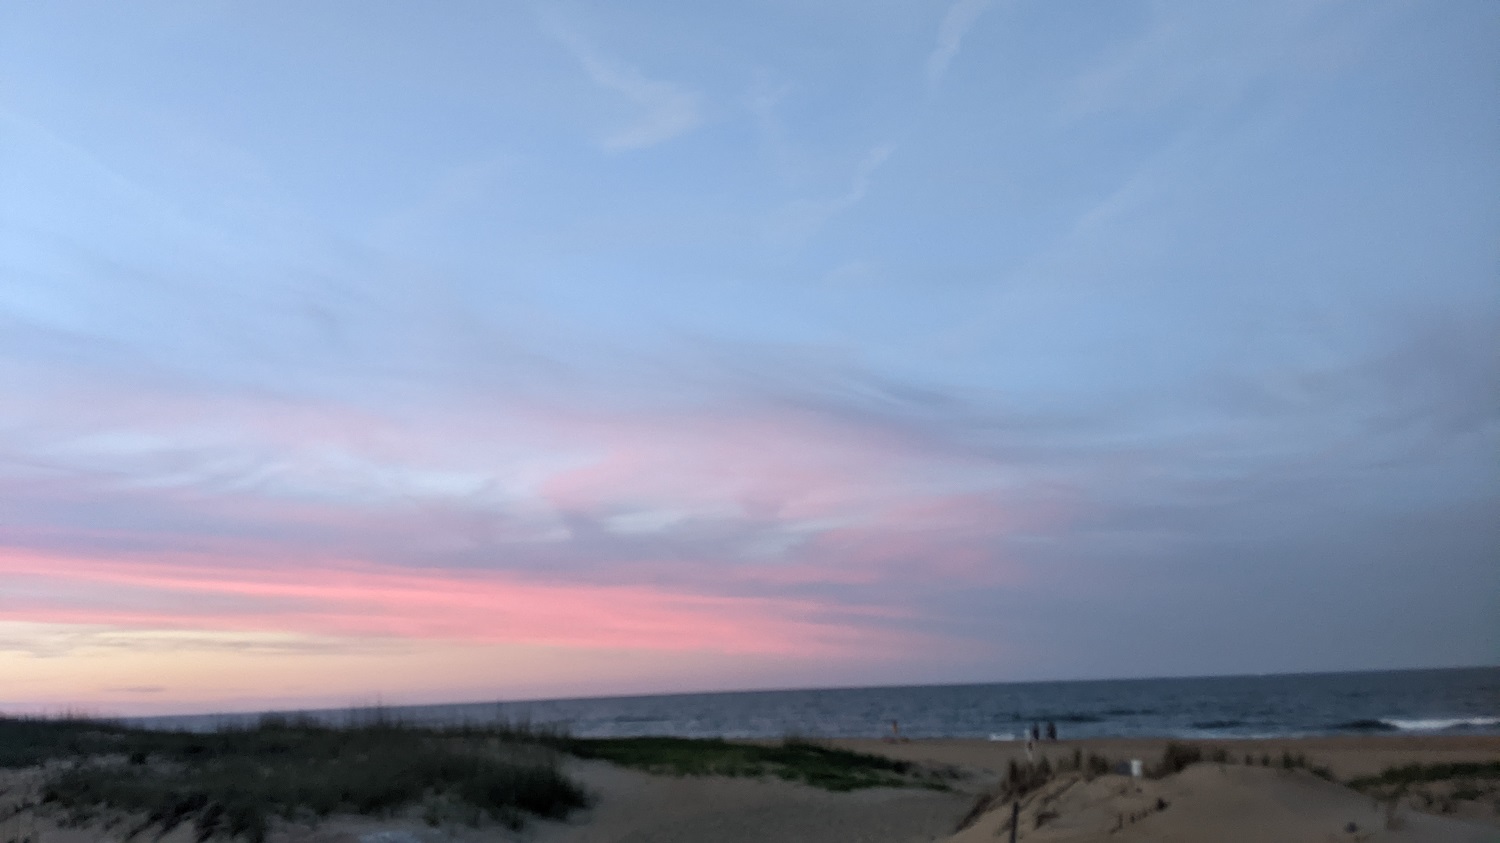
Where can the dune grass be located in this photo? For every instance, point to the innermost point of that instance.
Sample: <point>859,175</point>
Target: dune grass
<point>793,759</point>
<point>1439,788</point>
<point>1413,774</point>
<point>234,782</point>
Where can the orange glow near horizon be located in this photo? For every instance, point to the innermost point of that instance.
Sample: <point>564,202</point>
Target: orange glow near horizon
<point>113,673</point>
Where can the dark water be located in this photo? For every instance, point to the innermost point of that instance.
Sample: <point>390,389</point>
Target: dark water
<point>1463,701</point>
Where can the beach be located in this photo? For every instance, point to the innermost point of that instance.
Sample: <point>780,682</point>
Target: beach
<point>1347,756</point>
<point>1291,790</point>
<point>1206,802</point>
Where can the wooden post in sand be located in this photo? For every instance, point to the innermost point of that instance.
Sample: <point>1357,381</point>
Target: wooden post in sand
<point>1015,819</point>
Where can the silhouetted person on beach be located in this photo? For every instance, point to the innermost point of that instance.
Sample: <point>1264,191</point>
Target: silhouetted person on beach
<point>1051,730</point>
<point>1036,731</point>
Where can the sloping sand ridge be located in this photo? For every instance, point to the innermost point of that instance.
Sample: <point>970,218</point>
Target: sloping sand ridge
<point>1206,801</point>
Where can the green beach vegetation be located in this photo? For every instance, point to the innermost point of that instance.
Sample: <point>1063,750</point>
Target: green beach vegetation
<point>1412,774</point>
<point>793,759</point>
<point>233,783</point>
<point>1440,788</point>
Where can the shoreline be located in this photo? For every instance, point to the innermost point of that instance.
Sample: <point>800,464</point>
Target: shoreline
<point>956,790</point>
<point>1348,756</point>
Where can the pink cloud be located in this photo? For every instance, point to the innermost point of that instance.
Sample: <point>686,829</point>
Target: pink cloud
<point>761,531</point>
<point>342,598</point>
<point>770,460</point>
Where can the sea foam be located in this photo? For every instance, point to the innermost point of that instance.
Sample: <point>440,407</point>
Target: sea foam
<point>1439,724</point>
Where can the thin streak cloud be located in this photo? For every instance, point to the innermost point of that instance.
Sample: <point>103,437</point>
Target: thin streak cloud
<point>803,218</point>
<point>956,23</point>
<point>665,109</point>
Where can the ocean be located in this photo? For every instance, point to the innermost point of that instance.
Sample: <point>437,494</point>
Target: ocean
<point>1455,701</point>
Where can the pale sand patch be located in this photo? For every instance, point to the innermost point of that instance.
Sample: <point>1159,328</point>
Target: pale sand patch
<point>1218,802</point>
<point>1280,802</point>
<point>634,807</point>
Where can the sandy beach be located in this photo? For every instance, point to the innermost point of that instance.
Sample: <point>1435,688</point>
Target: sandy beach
<point>1205,801</point>
<point>1224,802</point>
<point>1346,756</point>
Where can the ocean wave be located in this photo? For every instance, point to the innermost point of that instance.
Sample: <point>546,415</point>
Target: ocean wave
<point>1067,717</point>
<point>1364,725</point>
<point>1425,724</point>
<point>1218,724</point>
<point>1440,724</point>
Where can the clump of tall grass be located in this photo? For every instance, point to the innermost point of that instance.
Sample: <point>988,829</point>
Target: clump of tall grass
<point>1175,758</point>
<point>234,782</point>
<point>1022,779</point>
<point>1432,787</point>
<point>794,759</point>
<point>1411,774</point>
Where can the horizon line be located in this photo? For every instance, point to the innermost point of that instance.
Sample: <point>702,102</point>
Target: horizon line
<point>378,706</point>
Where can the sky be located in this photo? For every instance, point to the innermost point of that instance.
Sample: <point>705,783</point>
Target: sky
<point>356,351</point>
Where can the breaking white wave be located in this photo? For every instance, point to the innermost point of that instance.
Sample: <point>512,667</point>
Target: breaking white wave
<point>1438,724</point>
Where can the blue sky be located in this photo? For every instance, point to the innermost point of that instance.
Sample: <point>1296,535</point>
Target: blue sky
<point>829,343</point>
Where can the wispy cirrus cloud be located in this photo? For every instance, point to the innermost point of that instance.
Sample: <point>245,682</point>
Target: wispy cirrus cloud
<point>665,109</point>
<point>235,602</point>
<point>803,218</point>
<point>1214,57</point>
<point>956,23</point>
<point>764,98</point>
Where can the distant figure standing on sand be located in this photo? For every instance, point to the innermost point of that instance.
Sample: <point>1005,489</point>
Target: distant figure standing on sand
<point>1051,730</point>
<point>1030,747</point>
<point>895,731</point>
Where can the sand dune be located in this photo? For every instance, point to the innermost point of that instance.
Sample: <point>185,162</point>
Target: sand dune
<point>1205,802</point>
<point>638,808</point>
<point>1225,803</point>
<point>1346,756</point>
